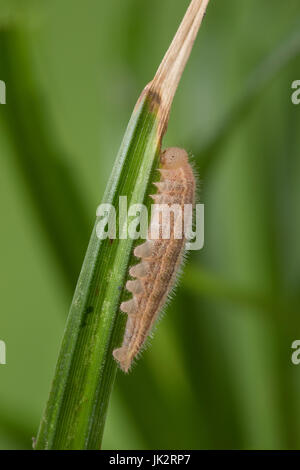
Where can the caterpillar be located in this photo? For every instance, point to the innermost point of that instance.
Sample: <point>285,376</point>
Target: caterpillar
<point>155,275</point>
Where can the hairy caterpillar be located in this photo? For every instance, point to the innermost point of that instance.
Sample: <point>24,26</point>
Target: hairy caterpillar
<point>155,275</point>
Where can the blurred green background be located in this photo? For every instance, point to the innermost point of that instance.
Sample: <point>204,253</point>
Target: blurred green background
<point>219,371</point>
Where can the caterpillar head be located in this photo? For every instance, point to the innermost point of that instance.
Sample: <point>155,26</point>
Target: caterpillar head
<point>173,157</point>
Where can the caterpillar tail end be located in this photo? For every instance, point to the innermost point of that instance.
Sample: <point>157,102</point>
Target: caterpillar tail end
<point>122,359</point>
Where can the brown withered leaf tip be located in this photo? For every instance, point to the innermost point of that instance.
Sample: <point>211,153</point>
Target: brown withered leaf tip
<point>162,88</point>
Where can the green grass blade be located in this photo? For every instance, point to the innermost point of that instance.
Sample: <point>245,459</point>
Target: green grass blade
<point>75,414</point>
<point>80,394</point>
